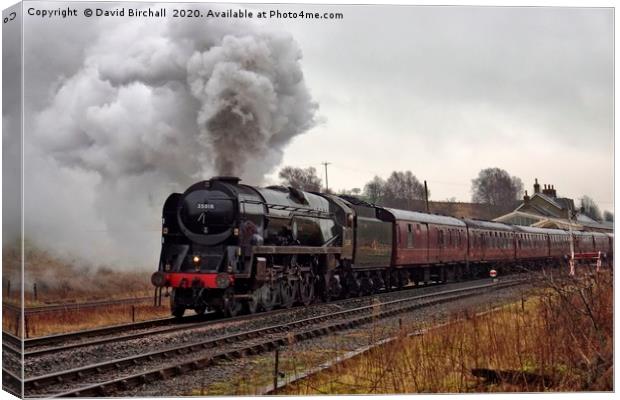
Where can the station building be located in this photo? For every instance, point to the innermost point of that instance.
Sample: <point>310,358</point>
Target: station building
<point>545,210</point>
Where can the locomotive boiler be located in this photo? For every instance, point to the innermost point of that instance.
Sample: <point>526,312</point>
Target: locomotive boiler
<point>226,245</point>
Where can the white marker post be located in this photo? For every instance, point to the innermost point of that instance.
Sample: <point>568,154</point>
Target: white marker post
<point>571,262</point>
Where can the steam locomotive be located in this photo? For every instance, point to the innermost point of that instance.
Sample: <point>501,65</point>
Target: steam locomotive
<point>230,247</point>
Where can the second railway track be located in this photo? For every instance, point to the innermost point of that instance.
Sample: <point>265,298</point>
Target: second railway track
<point>104,378</point>
<point>117,333</point>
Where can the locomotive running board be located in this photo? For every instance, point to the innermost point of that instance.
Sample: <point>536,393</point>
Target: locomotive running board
<point>295,250</point>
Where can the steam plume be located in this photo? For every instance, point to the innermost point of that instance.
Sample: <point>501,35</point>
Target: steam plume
<point>151,108</point>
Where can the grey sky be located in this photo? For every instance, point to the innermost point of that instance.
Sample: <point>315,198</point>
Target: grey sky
<point>447,91</point>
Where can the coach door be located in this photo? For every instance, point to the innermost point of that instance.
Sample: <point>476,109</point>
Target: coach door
<point>422,231</point>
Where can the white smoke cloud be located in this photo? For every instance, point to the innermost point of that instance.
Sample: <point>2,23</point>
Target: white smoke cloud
<point>154,107</point>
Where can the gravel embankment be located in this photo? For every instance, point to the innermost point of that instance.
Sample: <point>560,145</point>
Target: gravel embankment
<point>50,363</point>
<point>228,377</point>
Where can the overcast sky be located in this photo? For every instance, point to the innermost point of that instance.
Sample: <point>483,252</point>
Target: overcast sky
<point>119,112</point>
<point>447,91</point>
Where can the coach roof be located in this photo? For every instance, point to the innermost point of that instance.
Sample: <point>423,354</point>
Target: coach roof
<point>498,226</point>
<point>415,216</point>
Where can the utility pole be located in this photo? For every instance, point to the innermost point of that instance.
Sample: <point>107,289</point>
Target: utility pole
<point>426,196</point>
<point>326,181</point>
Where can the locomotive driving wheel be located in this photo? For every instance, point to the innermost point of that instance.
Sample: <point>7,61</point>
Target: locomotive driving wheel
<point>199,310</point>
<point>177,309</point>
<point>306,289</point>
<point>253,301</point>
<point>333,288</point>
<point>287,293</point>
<point>231,305</point>
<point>268,297</point>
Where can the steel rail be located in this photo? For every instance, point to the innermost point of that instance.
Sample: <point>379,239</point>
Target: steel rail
<point>178,324</point>
<point>107,330</point>
<point>283,330</point>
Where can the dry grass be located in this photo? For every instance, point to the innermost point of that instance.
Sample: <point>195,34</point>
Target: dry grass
<point>69,321</point>
<point>61,280</point>
<point>559,340</point>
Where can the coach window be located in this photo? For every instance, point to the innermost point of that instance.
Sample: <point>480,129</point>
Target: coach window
<point>409,235</point>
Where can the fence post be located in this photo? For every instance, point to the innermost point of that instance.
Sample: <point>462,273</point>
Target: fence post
<point>26,326</point>
<point>34,291</point>
<point>17,324</point>
<point>133,313</point>
<point>8,289</point>
<point>275,371</point>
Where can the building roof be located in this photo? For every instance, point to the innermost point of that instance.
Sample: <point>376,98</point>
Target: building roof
<point>552,222</point>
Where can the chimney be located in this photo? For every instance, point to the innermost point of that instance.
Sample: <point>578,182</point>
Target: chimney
<point>536,186</point>
<point>526,199</point>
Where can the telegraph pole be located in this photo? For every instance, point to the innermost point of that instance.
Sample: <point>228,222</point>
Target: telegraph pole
<point>426,197</point>
<point>326,181</point>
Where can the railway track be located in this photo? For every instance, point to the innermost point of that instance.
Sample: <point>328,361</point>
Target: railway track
<point>117,333</point>
<point>102,379</point>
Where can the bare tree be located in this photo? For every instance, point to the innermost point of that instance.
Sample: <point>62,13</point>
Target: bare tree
<point>608,216</point>
<point>589,208</point>
<point>375,190</point>
<point>495,186</point>
<point>401,187</point>
<point>300,178</point>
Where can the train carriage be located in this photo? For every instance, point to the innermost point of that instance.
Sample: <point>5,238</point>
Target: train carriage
<point>583,242</point>
<point>427,238</point>
<point>610,237</point>
<point>490,241</point>
<point>601,242</point>
<point>559,243</point>
<point>532,242</point>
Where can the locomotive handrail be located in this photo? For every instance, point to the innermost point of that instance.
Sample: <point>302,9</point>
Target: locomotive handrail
<point>289,208</point>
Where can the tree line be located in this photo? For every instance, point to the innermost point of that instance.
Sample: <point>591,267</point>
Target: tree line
<point>492,186</point>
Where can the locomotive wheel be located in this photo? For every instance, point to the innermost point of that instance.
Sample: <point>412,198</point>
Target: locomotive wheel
<point>268,297</point>
<point>200,309</point>
<point>287,293</point>
<point>353,286</point>
<point>334,289</point>
<point>366,285</point>
<point>253,302</point>
<point>306,290</point>
<point>231,305</point>
<point>178,311</point>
